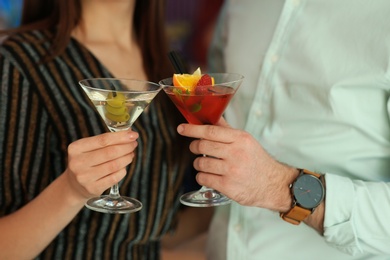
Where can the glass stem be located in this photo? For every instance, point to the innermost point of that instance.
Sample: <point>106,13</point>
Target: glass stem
<point>114,191</point>
<point>204,188</point>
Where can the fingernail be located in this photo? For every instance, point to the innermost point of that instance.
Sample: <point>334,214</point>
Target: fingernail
<point>132,135</point>
<point>180,129</point>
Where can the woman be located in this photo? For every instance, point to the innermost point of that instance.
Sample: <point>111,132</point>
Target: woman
<point>43,110</point>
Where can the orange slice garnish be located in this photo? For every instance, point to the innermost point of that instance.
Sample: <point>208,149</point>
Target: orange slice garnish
<point>187,82</point>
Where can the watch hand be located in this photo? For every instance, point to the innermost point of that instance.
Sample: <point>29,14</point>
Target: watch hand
<point>306,191</point>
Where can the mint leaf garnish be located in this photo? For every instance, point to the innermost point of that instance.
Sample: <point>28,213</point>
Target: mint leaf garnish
<point>196,108</point>
<point>177,91</point>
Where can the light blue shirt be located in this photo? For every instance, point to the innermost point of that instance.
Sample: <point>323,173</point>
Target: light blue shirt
<point>316,96</point>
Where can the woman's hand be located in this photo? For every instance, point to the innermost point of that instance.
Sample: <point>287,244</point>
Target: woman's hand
<point>96,163</point>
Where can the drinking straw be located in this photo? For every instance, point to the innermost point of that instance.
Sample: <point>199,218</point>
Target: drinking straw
<point>177,62</point>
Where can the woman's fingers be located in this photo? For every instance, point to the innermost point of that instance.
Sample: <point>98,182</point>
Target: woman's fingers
<point>101,169</point>
<point>107,181</point>
<point>92,151</point>
<point>98,162</point>
<point>107,154</point>
<point>103,140</point>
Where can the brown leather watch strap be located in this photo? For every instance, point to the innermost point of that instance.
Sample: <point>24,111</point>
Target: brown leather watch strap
<point>312,173</point>
<point>294,214</point>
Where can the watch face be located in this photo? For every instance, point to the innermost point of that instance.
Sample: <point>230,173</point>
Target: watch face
<point>308,191</point>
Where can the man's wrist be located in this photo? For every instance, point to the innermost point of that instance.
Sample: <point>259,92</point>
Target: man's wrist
<point>316,220</point>
<point>307,193</point>
<point>286,199</point>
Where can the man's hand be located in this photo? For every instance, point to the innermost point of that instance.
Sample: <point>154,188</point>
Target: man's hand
<point>238,166</point>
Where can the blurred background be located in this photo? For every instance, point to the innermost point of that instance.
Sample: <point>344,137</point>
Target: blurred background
<point>10,11</point>
<point>189,25</point>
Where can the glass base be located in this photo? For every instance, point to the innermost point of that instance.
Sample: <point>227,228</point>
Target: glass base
<point>205,197</point>
<point>116,205</point>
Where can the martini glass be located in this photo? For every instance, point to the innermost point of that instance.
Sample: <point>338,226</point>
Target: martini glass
<point>119,102</point>
<point>200,108</point>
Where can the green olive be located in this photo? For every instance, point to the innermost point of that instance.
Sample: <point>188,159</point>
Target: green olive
<point>116,110</point>
<point>118,118</point>
<point>116,101</point>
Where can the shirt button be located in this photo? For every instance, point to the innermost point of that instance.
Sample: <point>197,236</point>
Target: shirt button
<point>238,228</point>
<point>259,113</point>
<point>296,2</point>
<point>274,58</point>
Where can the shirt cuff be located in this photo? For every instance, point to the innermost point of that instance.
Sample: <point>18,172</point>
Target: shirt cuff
<point>339,230</point>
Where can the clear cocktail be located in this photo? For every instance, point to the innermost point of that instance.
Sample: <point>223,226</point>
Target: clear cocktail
<point>119,102</point>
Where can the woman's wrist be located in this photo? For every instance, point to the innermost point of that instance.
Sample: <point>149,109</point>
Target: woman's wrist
<point>71,195</point>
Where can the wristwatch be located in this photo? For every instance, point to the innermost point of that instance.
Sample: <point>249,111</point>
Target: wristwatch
<point>307,193</point>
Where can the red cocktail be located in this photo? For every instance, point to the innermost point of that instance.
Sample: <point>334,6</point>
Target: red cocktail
<point>204,108</point>
<point>203,104</point>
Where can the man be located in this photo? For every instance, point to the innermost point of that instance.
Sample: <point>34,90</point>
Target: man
<point>315,109</point>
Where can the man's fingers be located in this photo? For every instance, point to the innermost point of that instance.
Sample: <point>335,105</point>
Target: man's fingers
<point>210,164</point>
<point>210,132</point>
<point>222,122</point>
<point>210,180</point>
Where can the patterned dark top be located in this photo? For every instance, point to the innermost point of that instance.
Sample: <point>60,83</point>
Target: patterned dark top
<point>42,110</point>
